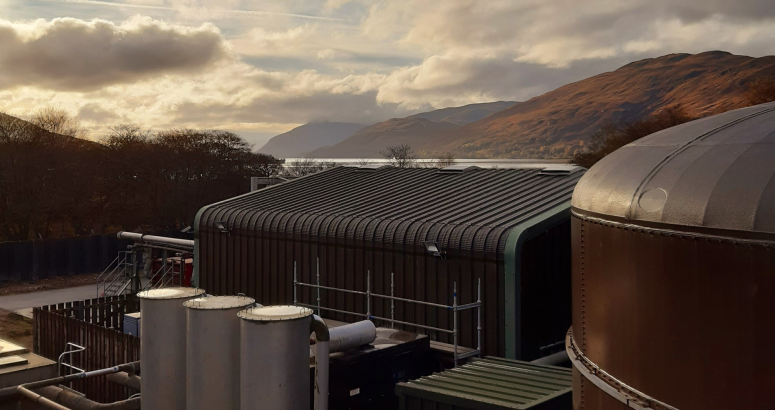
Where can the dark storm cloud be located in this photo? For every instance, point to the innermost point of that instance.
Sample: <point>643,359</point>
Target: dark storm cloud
<point>71,54</point>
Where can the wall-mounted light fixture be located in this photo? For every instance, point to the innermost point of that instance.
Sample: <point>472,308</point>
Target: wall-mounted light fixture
<point>221,225</point>
<point>187,229</point>
<point>434,249</point>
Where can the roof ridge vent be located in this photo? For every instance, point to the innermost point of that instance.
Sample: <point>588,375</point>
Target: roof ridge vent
<point>372,167</point>
<point>457,169</point>
<point>560,170</point>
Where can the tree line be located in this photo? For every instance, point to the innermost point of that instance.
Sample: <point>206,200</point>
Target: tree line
<point>54,183</point>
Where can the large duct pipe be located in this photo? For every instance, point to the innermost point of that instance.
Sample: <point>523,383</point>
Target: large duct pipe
<point>213,352</point>
<point>74,401</point>
<point>163,338</point>
<point>352,335</point>
<point>158,240</point>
<point>125,379</point>
<point>274,353</point>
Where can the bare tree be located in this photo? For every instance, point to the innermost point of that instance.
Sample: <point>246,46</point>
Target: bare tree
<point>400,156</point>
<point>761,90</point>
<point>363,162</point>
<point>58,121</point>
<point>444,160</point>
<point>303,166</point>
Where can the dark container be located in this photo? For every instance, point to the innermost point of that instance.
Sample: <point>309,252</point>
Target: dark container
<point>508,228</point>
<point>674,269</point>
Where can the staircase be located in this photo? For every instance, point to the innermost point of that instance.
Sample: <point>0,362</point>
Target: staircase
<point>117,278</point>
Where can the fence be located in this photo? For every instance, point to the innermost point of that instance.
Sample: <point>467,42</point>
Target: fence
<point>73,256</point>
<point>96,325</point>
<point>454,308</point>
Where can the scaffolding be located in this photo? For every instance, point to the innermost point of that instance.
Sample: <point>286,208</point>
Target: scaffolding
<point>454,308</point>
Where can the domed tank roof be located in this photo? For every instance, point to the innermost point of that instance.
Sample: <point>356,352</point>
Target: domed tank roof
<point>714,175</point>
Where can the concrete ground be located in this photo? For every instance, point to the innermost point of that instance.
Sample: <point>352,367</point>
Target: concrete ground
<point>23,303</point>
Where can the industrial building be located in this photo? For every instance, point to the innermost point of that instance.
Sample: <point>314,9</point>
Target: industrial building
<point>674,269</point>
<point>413,233</point>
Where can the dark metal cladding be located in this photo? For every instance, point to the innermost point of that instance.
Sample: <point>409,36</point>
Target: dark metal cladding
<point>356,221</point>
<point>674,293</point>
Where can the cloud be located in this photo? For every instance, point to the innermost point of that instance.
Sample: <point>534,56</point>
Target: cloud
<point>72,54</point>
<point>362,61</point>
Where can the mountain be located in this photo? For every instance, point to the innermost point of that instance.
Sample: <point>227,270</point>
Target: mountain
<point>465,114</point>
<point>560,122</point>
<point>300,140</point>
<point>412,130</point>
<point>367,142</point>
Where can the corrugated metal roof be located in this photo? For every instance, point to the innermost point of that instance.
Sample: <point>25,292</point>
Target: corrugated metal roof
<point>716,173</point>
<point>472,210</point>
<point>492,383</point>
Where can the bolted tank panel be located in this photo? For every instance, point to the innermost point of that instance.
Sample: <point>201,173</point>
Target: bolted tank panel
<point>213,352</point>
<point>163,341</point>
<point>674,269</point>
<point>274,350</point>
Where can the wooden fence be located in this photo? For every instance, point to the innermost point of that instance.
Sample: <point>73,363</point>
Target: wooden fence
<point>95,324</point>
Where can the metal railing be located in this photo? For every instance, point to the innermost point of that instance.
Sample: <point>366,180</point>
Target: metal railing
<point>454,308</point>
<point>115,279</point>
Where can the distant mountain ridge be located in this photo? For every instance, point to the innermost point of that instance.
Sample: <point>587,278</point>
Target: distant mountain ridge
<point>300,140</point>
<point>465,114</point>
<point>560,122</point>
<point>367,142</point>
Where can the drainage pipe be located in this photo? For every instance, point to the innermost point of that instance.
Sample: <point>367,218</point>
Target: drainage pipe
<point>74,401</point>
<point>351,336</point>
<point>160,240</point>
<point>322,339</point>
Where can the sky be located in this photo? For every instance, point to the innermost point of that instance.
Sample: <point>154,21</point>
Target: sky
<point>263,67</point>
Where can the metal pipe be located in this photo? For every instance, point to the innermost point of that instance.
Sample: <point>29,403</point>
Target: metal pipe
<point>151,239</point>
<point>454,319</point>
<point>479,317</point>
<point>368,291</point>
<point>351,336</point>
<point>318,270</point>
<point>322,339</point>
<point>13,393</point>
<point>392,301</point>
<point>554,359</point>
<point>125,379</point>
<point>74,401</point>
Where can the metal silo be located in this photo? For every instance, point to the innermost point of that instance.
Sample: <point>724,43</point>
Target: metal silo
<point>274,350</point>
<point>674,269</point>
<point>163,341</point>
<point>213,352</point>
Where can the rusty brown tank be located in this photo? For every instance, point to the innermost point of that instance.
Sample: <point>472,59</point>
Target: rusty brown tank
<point>674,269</point>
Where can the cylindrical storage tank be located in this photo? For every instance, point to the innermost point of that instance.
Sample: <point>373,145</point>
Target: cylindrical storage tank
<point>674,269</point>
<point>274,353</point>
<point>213,352</point>
<point>163,341</point>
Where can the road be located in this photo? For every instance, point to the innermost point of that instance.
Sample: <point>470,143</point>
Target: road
<point>23,303</point>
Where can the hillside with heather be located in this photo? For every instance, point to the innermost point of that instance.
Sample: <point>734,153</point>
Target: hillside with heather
<point>561,122</point>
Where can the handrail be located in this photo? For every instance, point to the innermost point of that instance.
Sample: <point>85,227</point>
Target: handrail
<point>455,308</point>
